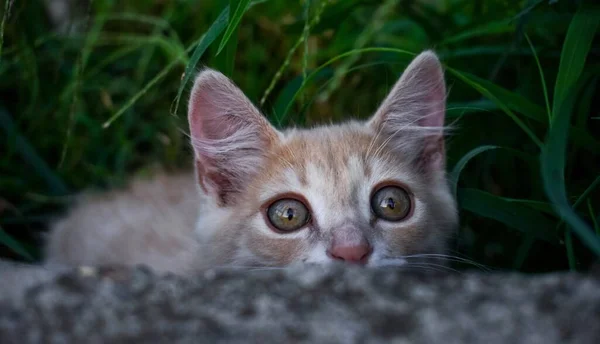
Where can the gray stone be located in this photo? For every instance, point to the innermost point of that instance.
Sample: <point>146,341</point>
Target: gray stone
<point>337,304</point>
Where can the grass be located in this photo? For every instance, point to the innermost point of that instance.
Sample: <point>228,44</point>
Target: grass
<point>107,100</point>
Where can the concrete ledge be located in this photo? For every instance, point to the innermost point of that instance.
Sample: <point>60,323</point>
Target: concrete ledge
<point>337,304</point>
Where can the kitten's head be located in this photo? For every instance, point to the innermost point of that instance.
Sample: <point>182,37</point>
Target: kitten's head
<point>364,192</point>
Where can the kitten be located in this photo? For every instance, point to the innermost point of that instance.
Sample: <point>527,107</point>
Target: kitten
<point>369,192</point>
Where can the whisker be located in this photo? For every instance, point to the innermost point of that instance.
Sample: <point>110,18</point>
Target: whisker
<point>247,267</point>
<point>438,267</point>
<point>449,258</point>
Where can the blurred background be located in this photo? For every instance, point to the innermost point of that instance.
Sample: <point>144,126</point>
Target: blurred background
<point>93,92</point>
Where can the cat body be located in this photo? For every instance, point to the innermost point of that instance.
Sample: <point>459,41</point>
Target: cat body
<point>372,193</point>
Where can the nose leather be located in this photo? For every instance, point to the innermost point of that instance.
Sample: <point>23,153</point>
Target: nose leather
<point>358,254</point>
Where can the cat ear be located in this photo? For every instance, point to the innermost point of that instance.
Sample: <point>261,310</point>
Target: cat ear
<point>229,135</point>
<point>411,118</point>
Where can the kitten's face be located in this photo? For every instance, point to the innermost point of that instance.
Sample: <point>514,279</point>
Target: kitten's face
<point>368,193</point>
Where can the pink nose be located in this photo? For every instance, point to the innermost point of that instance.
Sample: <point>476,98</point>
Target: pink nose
<point>353,254</point>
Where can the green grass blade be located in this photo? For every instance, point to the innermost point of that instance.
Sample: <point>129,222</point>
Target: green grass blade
<point>574,53</point>
<point>286,62</point>
<point>518,103</point>
<point>541,206</point>
<point>543,79</point>
<point>523,251</point>
<point>368,33</point>
<point>80,64</point>
<point>524,219</point>
<point>335,59</point>
<point>493,28</point>
<point>225,63</point>
<point>241,6</point>
<point>455,174</point>
<point>485,91</point>
<point>568,235</point>
<point>593,217</point>
<point>205,41</point>
<point>7,6</point>
<point>587,192</point>
<point>510,99</point>
<point>286,94</point>
<point>553,158</point>
<point>14,245</point>
<point>139,94</point>
<point>29,155</point>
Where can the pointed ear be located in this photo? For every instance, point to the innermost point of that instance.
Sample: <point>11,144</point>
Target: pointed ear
<point>229,135</point>
<point>411,118</point>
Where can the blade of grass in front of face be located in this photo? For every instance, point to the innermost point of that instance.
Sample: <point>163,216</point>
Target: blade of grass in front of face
<point>234,20</point>
<point>14,245</point>
<point>30,156</point>
<point>553,158</point>
<point>205,41</point>
<point>526,220</point>
<point>455,174</point>
<point>543,79</point>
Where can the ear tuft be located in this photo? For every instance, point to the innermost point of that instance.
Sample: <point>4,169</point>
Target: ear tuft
<point>229,135</point>
<point>411,118</point>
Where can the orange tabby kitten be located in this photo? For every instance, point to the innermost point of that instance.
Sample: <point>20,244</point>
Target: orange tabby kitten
<point>372,193</point>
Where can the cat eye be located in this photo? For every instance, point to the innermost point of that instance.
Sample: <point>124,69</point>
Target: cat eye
<point>391,203</point>
<point>288,215</point>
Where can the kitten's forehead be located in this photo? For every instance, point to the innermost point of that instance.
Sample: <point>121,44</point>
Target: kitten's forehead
<point>334,160</point>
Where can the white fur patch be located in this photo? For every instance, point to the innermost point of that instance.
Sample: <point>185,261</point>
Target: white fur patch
<point>318,254</point>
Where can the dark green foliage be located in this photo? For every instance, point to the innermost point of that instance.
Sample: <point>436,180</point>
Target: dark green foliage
<point>107,101</point>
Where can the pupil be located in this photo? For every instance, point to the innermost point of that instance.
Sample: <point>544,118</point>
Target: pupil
<point>390,203</point>
<point>289,214</point>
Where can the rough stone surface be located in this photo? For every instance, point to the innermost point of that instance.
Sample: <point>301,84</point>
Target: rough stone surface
<point>338,304</point>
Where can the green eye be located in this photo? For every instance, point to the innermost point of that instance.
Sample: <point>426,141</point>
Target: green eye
<point>288,214</point>
<point>391,203</point>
